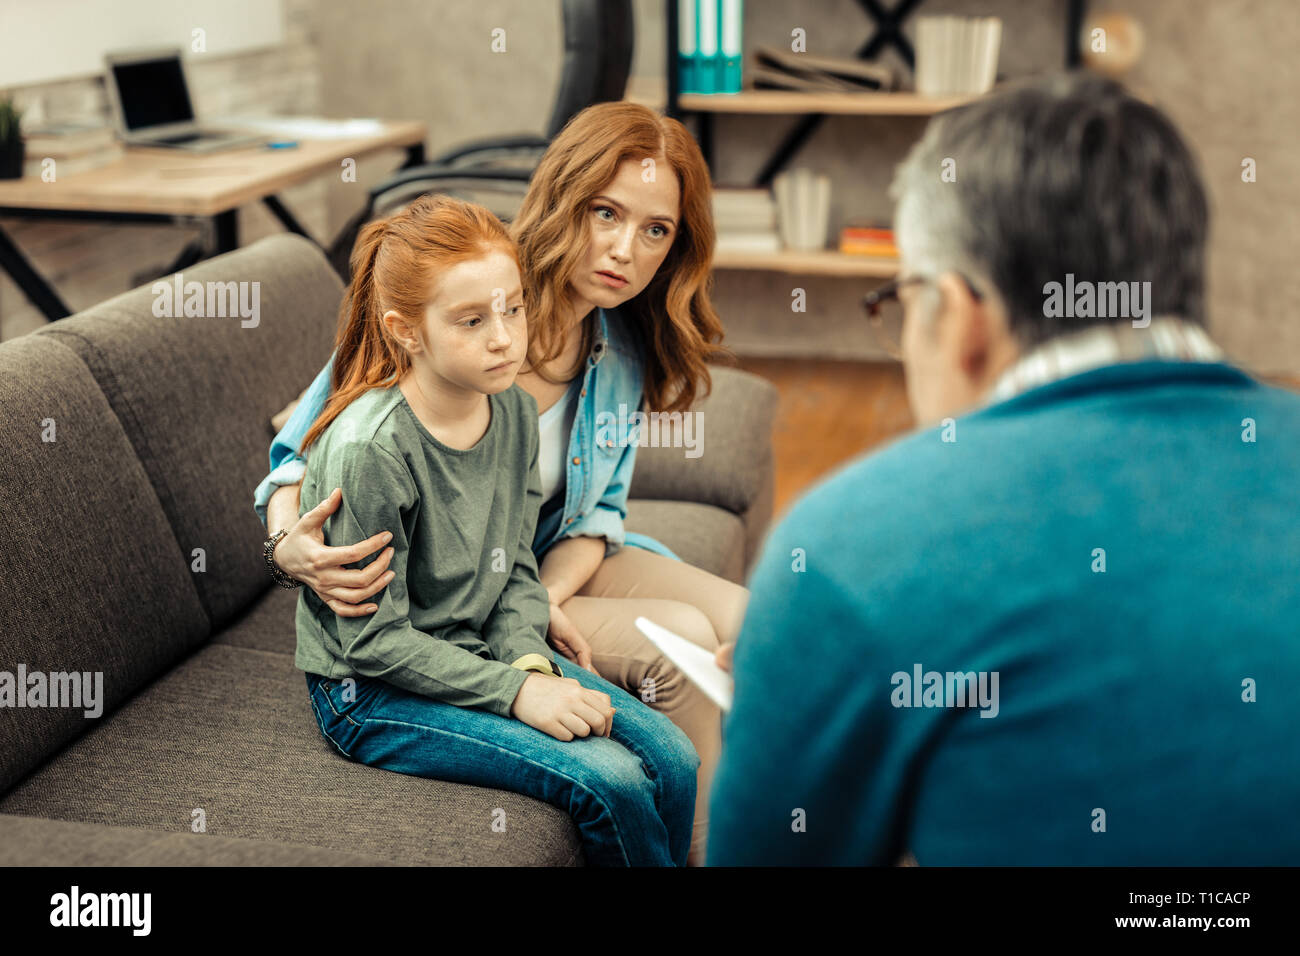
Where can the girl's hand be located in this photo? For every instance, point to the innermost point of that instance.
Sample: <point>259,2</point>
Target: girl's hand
<point>563,708</point>
<point>302,554</point>
<point>725,655</point>
<point>568,640</point>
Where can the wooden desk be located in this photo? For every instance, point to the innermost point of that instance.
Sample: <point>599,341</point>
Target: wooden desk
<point>172,186</point>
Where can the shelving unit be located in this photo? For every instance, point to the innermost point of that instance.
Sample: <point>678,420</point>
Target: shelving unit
<point>793,102</point>
<point>813,108</point>
<point>822,262</point>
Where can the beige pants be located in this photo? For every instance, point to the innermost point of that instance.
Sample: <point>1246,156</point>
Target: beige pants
<point>701,607</point>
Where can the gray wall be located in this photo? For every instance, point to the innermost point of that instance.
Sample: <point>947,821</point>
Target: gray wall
<point>1226,72</point>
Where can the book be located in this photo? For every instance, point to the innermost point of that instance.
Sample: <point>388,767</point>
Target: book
<point>692,660</point>
<point>757,242</point>
<point>879,250</point>
<point>68,139</point>
<point>732,17</point>
<point>827,72</point>
<point>709,45</point>
<point>687,51</point>
<point>34,161</point>
<point>745,220</point>
<point>859,239</point>
<point>706,46</point>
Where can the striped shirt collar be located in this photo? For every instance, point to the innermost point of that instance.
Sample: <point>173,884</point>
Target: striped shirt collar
<point>1167,337</point>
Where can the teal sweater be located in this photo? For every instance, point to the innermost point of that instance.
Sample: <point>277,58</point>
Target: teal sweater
<point>1156,698</point>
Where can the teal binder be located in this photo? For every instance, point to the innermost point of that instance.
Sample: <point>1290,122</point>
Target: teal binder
<point>708,49</point>
<point>732,17</point>
<point>688,47</point>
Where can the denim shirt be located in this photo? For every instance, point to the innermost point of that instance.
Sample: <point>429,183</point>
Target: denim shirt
<point>597,476</point>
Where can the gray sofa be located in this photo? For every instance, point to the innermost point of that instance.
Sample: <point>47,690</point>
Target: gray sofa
<point>129,547</point>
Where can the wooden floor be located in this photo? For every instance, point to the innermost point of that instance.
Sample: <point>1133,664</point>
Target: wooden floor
<point>829,413</point>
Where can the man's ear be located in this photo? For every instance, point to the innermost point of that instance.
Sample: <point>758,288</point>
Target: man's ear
<point>965,325</point>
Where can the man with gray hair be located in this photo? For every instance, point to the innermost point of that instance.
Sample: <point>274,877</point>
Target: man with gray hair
<point>1058,623</point>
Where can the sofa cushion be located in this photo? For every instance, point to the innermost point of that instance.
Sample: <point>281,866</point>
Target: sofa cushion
<point>194,395</point>
<point>92,580</point>
<point>267,625</point>
<point>703,535</point>
<point>35,841</point>
<point>230,731</point>
<point>736,448</point>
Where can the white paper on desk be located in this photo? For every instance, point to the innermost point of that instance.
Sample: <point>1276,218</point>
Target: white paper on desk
<point>693,661</point>
<point>306,127</point>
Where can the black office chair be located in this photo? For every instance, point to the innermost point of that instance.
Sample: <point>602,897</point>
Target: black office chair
<point>598,39</point>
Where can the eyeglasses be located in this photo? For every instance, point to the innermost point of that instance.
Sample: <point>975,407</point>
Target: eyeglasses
<point>884,310</point>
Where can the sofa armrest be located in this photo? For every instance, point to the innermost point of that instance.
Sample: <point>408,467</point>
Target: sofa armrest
<point>735,467</point>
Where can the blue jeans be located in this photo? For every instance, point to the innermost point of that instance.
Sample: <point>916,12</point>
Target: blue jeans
<point>632,794</point>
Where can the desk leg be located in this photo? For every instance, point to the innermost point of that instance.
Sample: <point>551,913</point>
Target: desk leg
<point>34,286</point>
<point>287,218</point>
<point>226,228</point>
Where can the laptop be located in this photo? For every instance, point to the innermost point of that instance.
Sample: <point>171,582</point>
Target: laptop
<point>152,105</point>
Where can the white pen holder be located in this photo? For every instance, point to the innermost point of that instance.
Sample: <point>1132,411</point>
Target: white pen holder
<point>803,208</point>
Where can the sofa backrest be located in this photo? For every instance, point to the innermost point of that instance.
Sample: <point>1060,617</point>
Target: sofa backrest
<point>195,394</point>
<point>92,579</point>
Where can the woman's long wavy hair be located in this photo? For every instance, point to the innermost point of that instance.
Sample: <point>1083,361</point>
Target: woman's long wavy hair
<point>395,263</point>
<point>674,321</point>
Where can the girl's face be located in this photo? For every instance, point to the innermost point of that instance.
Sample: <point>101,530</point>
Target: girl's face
<point>475,333</point>
<point>633,222</point>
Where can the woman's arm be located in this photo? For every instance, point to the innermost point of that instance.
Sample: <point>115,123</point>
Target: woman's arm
<point>302,553</point>
<point>282,509</point>
<point>287,461</point>
<point>569,564</point>
<point>304,556</point>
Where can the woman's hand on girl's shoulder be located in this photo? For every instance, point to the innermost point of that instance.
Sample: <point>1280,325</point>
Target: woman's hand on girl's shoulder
<point>303,554</point>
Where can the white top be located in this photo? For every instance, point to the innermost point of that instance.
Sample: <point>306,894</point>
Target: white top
<point>555,425</point>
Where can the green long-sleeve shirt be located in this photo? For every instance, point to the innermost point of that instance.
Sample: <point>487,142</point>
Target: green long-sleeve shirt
<point>465,601</point>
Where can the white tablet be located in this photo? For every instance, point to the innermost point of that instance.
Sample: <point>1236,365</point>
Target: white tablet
<point>693,661</point>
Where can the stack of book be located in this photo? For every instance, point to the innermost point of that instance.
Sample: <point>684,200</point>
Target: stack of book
<point>780,70</point>
<point>957,55</point>
<point>74,147</point>
<point>745,221</point>
<point>868,240</point>
<point>708,45</point>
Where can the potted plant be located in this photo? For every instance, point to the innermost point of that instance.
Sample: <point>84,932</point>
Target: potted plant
<point>11,140</point>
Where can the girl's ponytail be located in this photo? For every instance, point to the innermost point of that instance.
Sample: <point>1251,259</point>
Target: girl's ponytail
<point>360,303</point>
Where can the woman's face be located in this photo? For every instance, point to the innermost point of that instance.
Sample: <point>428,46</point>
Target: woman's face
<point>633,222</point>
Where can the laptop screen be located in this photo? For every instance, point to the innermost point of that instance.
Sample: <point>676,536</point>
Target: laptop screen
<point>152,92</point>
